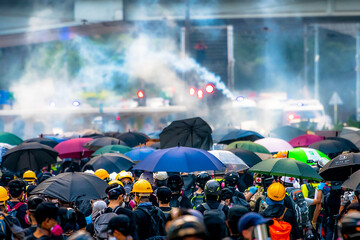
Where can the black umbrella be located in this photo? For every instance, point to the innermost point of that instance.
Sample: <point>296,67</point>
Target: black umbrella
<point>111,162</point>
<point>218,133</point>
<point>72,186</point>
<point>100,142</point>
<point>248,157</point>
<point>33,156</point>
<point>90,133</point>
<point>287,132</point>
<point>348,145</point>
<point>341,167</point>
<point>331,148</point>
<point>45,141</point>
<point>353,182</point>
<point>240,135</point>
<point>132,139</point>
<point>191,132</point>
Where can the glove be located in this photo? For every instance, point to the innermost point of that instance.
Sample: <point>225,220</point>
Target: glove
<point>321,186</point>
<point>253,190</point>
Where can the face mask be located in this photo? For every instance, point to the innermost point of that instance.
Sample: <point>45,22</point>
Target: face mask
<point>128,188</point>
<point>56,230</point>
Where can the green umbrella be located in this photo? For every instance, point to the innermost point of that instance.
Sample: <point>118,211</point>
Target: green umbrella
<point>10,138</point>
<point>286,167</point>
<point>309,156</point>
<point>112,149</point>
<point>248,145</point>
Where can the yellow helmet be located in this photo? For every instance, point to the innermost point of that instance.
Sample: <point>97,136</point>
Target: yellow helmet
<point>102,174</point>
<point>123,174</point>
<point>3,194</point>
<point>116,181</point>
<point>276,192</point>
<point>29,176</point>
<point>281,154</point>
<point>142,186</point>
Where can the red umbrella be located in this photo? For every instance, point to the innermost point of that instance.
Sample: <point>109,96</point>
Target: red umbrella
<point>73,148</point>
<point>305,140</point>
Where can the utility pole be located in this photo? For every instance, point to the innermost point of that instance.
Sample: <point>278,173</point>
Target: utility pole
<point>316,61</point>
<point>306,60</point>
<point>187,27</point>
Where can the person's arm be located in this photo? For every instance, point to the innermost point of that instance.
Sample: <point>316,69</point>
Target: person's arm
<point>318,205</point>
<point>251,193</point>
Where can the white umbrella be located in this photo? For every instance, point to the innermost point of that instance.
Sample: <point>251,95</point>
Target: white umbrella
<point>230,160</point>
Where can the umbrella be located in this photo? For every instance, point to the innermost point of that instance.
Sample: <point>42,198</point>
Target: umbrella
<point>332,148</point>
<point>307,155</point>
<point>100,142</point>
<point>239,135</point>
<point>155,134</point>
<point>353,182</point>
<point>286,132</point>
<point>179,159</point>
<point>111,162</point>
<point>33,156</point>
<point>56,138</point>
<point>191,132</point>
<point>230,160</point>
<point>305,140</point>
<point>250,146</point>
<point>352,134</point>
<point>341,167</point>
<point>139,154</point>
<point>132,139</point>
<point>90,133</point>
<point>248,157</point>
<point>10,138</point>
<point>219,133</point>
<point>112,149</point>
<point>44,141</point>
<point>348,145</point>
<point>286,167</point>
<point>274,145</point>
<point>73,148</point>
<point>72,186</point>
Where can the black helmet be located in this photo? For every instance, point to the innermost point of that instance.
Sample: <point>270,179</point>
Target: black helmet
<point>201,179</point>
<point>231,179</point>
<point>212,188</point>
<point>226,194</point>
<point>186,226</point>
<point>349,225</point>
<point>175,183</point>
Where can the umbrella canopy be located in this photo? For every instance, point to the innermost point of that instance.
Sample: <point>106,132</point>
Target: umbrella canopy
<point>72,186</point>
<point>139,154</point>
<point>155,134</point>
<point>250,146</point>
<point>33,156</point>
<point>348,145</point>
<point>305,140</point>
<point>219,133</point>
<point>240,135</point>
<point>191,132</point>
<point>112,149</point>
<point>132,139</point>
<point>286,167</point>
<point>353,182</point>
<point>44,141</point>
<point>100,142</point>
<point>230,160</point>
<point>307,155</point>
<point>331,148</point>
<point>248,157</point>
<point>180,159</point>
<point>90,133</point>
<point>286,132</point>
<point>111,162</point>
<point>10,138</point>
<point>274,145</point>
<point>352,134</point>
<point>73,148</point>
<point>341,167</point>
<point>56,138</point>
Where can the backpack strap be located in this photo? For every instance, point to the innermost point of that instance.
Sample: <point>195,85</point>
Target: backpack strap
<point>19,204</point>
<point>282,216</point>
<point>221,206</point>
<point>206,206</point>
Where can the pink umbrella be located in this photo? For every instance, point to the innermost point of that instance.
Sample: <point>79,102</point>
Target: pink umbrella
<point>305,140</point>
<point>73,148</point>
<point>274,145</point>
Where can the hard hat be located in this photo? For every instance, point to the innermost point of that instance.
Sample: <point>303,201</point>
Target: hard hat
<point>142,186</point>
<point>102,174</point>
<point>276,191</point>
<point>123,174</point>
<point>281,154</point>
<point>202,178</point>
<point>116,182</point>
<point>161,176</point>
<point>29,176</point>
<point>290,180</point>
<point>186,226</point>
<point>3,194</point>
<point>231,179</point>
<point>175,182</point>
<point>212,187</point>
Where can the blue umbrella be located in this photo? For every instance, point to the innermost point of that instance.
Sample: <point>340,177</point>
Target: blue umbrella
<point>140,153</point>
<point>240,135</point>
<point>155,134</point>
<point>180,159</point>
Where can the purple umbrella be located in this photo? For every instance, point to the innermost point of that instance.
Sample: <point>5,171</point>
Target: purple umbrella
<point>305,140</point>
<point>274,145</point>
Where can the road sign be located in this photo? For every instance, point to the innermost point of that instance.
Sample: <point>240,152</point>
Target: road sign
<point>335,99</point>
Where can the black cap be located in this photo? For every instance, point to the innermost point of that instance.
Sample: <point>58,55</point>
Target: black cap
<point>48,210</point>
<point>6,177</point>
<point>236,212</point>
<point>164,194</point>
<point>120,223</point>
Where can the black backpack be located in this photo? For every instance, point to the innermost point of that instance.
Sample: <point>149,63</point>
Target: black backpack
<point>217,211</point>
<point>157,224</point>
<point>239,201</point>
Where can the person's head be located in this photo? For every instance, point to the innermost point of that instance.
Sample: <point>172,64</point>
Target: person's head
<point>201,179</point>
<point>142,190</point>
<point>212,190</point>
<point>248,222</point>
<point>46,217</point>
<point>127,179</point>
<point>235,214</point>
<point>148,176</point>
<point>350,225</point>
<point>160,179</point>
<point>102,174</point>
<point>226,195</point>
<point>29,177</point>
<point>163,195</point>
<point>6,177</point>
<point>231,179</point>
<point>287,181</point>
<point>3,198</point>
<point>119,227</point>
<point>175,183</point>
<point>43,176</point>
<point>115,192</point>
<point>16,188</point>
<point>32,202</point>
<point>186,227</point>
<point>276,192</point>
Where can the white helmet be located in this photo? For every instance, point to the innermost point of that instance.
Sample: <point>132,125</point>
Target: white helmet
<point>161,176</point>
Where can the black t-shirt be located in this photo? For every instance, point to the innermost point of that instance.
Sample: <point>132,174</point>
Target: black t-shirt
<point>178,200</point>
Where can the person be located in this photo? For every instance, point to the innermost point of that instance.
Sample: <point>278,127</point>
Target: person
<point>332,203</point>
<point>119,227</point>
<point>231,180</point>
<point>248,222</point>
<point>32,202</point>
<point>6,177</point>
<point>16,206</point>
<point>150,220</point>
<point>46,215</point>
<point>127,179</point>
<point>245,180</point>
<point>197,197</point>
<point>102,174</point>
<point>5,232</point>
<point>175,183</point>
<point>160,179</point>
<point>163,195</point>
<point>186,228</point>
<point>349,226</point>
<point>97,207</point>
<point>235,214</point>
<point>29,177</point>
